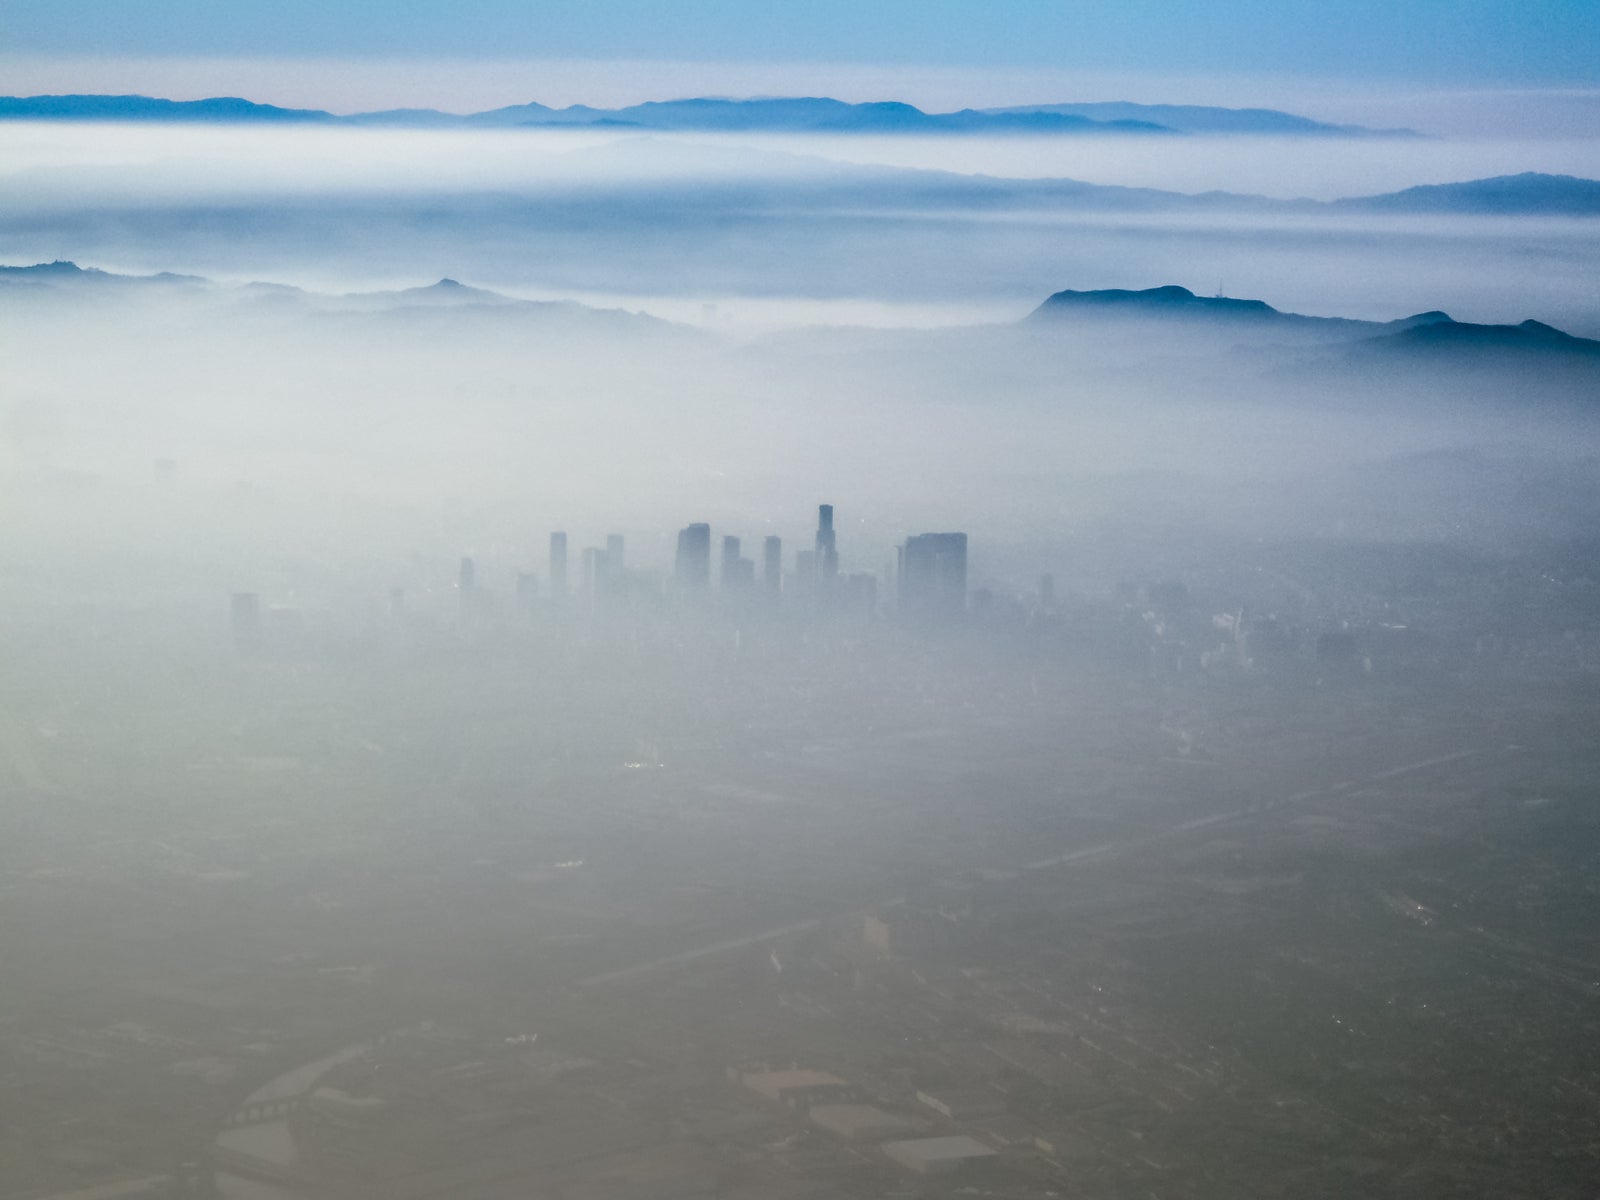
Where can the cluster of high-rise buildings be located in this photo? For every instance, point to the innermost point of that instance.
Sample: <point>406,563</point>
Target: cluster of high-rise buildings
<point>928,580</point>
<point>816,571</point>
<point>930,574</point>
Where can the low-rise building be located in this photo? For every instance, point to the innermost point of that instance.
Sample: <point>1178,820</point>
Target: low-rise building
<point>940,1155</point>
<point>799,1088</point>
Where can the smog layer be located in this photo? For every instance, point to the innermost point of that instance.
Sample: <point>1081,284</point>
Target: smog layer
<point>688,662</point>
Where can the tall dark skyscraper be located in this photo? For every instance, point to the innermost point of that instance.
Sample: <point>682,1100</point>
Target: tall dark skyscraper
<point>827,548</point>
<point>467,576</point>
<point>933,576</point>
<point>558,566</point>
<point>693,567</point>
<point>772,564</point>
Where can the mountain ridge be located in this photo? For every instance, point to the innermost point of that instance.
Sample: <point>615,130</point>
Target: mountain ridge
<point>811,114</point>
<point>1201,118</point>
<point>1433,330</point>
<point>1529,193</point>
<point>443,295</point>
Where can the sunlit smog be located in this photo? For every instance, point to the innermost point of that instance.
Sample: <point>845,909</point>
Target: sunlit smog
<point>802,662</point>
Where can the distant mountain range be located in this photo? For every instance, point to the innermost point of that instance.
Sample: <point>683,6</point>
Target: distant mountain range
<point>775,115</point>
<point>1433,335</point>
<point>1196,118</point>
<point>1179,303</point>
<point>68,280</point>
<point>816,180</point>
<point>1434,331</point>
<point>1528,194</point>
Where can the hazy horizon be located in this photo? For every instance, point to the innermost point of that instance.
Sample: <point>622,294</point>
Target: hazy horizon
<point>832,233</point>
<point>791,663</point>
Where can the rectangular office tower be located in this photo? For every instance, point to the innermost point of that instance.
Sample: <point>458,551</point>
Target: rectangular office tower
<point>933,576</point>
<point>772,564</point>
<point>693,567</point>
<point>558,566</point>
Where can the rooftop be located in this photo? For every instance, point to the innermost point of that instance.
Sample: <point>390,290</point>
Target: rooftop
<point>923,1154</point>
<point>775,1083</point>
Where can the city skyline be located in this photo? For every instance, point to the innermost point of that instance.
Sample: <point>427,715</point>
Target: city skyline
<point>938,569</point>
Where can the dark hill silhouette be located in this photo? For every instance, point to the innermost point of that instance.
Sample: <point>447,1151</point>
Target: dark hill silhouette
<point>218,109</point>
<point>1420,335</point>
<point>803,114</point>
<point>779,114</point>
<point>1528,337</point>
<point>60,269</point>
<point>448,291</point>
<point>1528,194</point>
<point>822,114</point>
<point>1197,118</point>
<point>1174,303</point>
<point>1168,300</point>
<point>1432,338</point>
<point>64,273</point>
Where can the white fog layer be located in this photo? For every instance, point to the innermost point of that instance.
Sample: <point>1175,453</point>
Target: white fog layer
<point>617,665</point>
<point>776,230</point>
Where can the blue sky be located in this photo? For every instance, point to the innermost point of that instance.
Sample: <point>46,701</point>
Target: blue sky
<point>1535,42</point>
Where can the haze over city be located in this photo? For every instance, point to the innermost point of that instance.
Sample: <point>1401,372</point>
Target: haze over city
<point>751,601</point>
